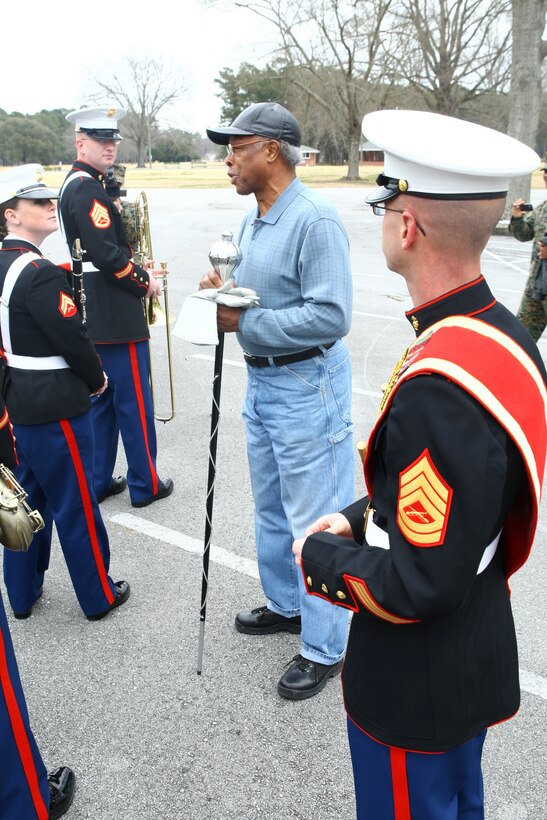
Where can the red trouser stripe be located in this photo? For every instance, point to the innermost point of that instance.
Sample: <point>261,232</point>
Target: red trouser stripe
<point>88,509</point>
<point>142,415</point>
<point>401,800</point>
<point>20,735</point>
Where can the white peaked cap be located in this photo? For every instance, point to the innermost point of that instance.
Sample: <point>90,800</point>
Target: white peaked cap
<point>442,157</point>
<point>100,123</point>
<point>24,182</point>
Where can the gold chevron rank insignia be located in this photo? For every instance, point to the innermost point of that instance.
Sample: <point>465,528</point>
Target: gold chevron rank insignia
<point>66,305</point>
<point>423,505</point>
<point>99,215</point>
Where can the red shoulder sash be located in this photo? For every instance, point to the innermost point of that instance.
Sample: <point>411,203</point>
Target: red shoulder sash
<point>501,376</point>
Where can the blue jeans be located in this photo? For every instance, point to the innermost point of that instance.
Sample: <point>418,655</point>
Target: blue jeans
<point>301,461</point>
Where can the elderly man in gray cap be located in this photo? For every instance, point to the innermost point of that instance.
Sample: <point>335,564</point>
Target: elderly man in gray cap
<point>297,409</point>
<point>453,468</point>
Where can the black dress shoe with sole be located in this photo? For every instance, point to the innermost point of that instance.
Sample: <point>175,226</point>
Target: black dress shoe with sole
<point>62,782</point>
<point>165,489</point>
<point>123,591</point>
<point>21,616</point>
<point>304,679</point>
<point>262,621</point>
<point>117,486</point>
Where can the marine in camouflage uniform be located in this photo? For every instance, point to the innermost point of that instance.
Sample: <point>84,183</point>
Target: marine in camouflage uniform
<point>532,313</point>
<point>127,209</point>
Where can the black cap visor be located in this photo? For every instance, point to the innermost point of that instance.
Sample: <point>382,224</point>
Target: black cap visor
<point>36,192</point>
<point>389,188</point>
<point>102,134</point>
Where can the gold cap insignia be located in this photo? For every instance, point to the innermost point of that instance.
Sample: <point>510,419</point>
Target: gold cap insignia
<point>403,185</point>
<point>39,175</point>
<point>110,112</point>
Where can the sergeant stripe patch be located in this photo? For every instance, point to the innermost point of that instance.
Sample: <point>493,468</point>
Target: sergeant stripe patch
<point>99,215</point>
<point>423,504</point>
<point>66,306</point>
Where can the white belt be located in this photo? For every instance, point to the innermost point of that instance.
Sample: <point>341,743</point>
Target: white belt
<point>36,362</point>
<point>89,267</point>
<point>377,537</point>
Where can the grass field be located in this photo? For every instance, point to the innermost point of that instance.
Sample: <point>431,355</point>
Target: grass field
<point>213,175</point>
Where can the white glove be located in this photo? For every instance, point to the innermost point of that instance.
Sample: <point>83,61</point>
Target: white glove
<point>234,297</point>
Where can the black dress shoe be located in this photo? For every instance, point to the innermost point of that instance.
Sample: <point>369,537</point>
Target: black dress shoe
<point>165,489</point>
<point>303,678</point>
<point>263,621</point>
<point>123,590</point>
<point>62,782</point>
<point>28,612</point>
<point>118,485</point>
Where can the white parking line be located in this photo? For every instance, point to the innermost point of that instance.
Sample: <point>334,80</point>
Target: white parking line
<point>532,683</point>
<point>529,681</point>
<point>183,542</point>
<point>505,262</point>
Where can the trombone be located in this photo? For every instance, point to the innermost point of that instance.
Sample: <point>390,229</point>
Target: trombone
<point>142,253</point>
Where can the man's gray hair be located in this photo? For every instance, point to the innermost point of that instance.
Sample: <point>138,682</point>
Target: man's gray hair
<point>292,154</point>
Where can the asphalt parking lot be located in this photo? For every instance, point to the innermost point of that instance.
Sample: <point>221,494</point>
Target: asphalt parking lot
<point>119,700</point>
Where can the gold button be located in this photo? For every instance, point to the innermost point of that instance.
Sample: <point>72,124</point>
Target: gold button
<point>325,589</point>
<point>341,595</point>
<point>309,581</point>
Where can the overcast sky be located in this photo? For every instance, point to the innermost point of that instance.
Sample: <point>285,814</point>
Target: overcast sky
<point>49,49</point>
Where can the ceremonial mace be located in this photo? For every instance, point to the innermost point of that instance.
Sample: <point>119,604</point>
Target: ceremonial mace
<point>224,256</point>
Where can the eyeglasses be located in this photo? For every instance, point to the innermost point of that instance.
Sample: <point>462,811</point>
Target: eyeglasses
<point>379,210</point>
<point>233,148</point>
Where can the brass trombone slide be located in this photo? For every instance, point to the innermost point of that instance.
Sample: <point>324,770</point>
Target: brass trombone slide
<point>142,254</point>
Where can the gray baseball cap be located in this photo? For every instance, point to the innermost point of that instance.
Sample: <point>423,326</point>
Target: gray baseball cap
<point>267,119</point>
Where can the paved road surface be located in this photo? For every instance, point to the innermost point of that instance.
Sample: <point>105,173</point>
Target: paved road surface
<point>120,701</point>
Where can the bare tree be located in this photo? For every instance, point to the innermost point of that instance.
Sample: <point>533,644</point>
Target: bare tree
<point>454,50</point>
<point>529,52</point>
<point>143,86</point>
<point>337,51</point>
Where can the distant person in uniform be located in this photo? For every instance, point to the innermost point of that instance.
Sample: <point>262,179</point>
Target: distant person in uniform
<point>297,409</point>
<point>114,287</point>
<point>27,791</point>
<point>524,226</point>
<point>453,467</point>
<point>114,180</point>
<point>52,369</point>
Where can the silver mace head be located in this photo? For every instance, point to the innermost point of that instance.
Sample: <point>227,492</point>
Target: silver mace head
<point>225,255</point>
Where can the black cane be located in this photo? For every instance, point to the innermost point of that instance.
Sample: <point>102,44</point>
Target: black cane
<point>215,418</point>
<point>224,257</point>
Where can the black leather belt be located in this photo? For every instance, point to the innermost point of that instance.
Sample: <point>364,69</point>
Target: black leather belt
<point>291,358</point>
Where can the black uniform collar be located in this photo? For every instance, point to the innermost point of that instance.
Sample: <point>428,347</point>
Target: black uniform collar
<point>89,169</point>
<point>467,300</point>
<point>16,244</point>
